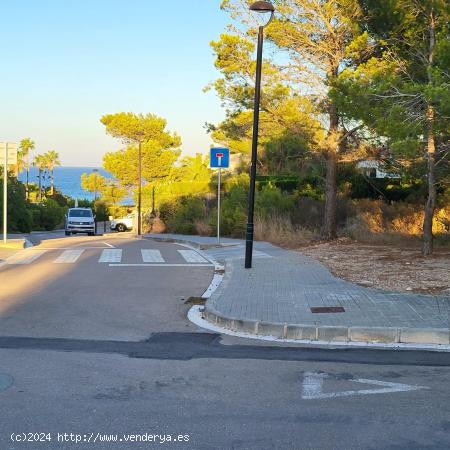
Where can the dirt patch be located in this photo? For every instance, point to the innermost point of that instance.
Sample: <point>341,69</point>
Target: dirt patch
<point>385,267</point>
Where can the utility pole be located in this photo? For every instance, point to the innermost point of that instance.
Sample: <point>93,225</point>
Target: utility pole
<point>153,200</point>
<point>8,156</point>
<point>5,196</point>
<point>263,7</point>
<point>139,189</point>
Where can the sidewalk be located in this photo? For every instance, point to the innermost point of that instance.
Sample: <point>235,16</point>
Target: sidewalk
<point>276,296</point>
<point>15,243</point>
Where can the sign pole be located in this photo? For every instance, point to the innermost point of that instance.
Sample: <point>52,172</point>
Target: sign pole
<point>5,196</point>
<point>218,206</point>
<point>219,159</point>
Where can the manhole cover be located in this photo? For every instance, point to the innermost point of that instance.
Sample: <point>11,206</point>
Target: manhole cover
<point>6,381</point>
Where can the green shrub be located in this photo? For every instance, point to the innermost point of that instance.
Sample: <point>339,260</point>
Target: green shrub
<point>48,215</point>
<point>59,198</point>
<point>234,207</point>
<point>308,213</point>
<point>233,219</point>
<point>181,215</point>
<point>271,201</point>
<point>19,218</point>
<point>82,203</point>
<point>35,212</point>
<point>101,211</point>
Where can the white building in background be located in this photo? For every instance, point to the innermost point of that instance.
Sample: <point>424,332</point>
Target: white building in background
<point>374,169</point>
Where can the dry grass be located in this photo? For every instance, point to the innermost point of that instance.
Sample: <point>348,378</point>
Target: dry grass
<point>280,230</point>
<point>202,228</point>
<point>378,222</point>
<point>155,225</point>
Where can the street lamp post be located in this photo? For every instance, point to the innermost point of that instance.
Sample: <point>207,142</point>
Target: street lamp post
<point>259,7</point>
<point>95,172</point>
<point>139,224</point>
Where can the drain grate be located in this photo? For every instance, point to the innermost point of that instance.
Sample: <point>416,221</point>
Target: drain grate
<point>327,309</point>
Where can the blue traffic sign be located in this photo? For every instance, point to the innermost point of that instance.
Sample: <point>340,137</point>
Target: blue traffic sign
<point>220,158</point>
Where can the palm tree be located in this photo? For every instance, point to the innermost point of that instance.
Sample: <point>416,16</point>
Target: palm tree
<point>40,161</point>
<point>26,145</point>
<point>51,161</point>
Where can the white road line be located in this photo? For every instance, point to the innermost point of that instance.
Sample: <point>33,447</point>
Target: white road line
<point>111,256</point>
<point>109,245</point>
<point>71,248</point>
<point>313,382</point>
<point>68,256</point>
<point>25,257</point>
<point>192,256</point>
<point>161,265</point>
<point>151,256</point>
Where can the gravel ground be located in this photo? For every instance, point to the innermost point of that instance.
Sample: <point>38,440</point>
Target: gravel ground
<point>385,267</point>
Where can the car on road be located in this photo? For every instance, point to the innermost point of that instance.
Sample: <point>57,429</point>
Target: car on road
<point>80,220</point>
<point>123,224</point>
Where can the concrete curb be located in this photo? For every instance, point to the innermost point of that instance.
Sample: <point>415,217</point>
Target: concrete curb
<point>18,244</point>
<point>193,244</point>
<point>385,335</point>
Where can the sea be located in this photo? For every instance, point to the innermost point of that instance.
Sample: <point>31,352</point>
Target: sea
<point>67,180</point>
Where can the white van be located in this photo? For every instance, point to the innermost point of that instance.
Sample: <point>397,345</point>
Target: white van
<point>80,220</point>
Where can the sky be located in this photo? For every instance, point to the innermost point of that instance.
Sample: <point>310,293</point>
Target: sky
<point>65,63</point>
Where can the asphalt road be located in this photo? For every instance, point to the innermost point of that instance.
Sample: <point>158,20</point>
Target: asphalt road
<point>94,341</point>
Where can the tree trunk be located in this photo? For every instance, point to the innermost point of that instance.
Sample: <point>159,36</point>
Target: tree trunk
<point>430,206</point>
<point>28,174</point>
<point>329,231</point>
<point>40,185</point>
<point>53,183</point>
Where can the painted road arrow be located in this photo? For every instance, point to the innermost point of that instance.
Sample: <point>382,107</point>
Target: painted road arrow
<point>313,383</point>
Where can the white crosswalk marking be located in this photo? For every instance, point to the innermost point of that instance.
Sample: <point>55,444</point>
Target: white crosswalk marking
<point>192,256</point>
<point>25,257</point>
<point>68,256</point>
<point>152,256</point>
<point>234,252</point>
<point>111,255</point>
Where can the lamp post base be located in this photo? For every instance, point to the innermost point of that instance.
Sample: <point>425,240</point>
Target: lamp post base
<point>249,246</point>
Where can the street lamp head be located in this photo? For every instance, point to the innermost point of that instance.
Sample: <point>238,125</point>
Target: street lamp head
<point>263,7</point>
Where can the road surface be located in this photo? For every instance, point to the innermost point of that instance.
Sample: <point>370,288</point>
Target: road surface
<point>95,347</point>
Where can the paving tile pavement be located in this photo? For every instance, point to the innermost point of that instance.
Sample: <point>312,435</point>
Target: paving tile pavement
<point>283,286</point>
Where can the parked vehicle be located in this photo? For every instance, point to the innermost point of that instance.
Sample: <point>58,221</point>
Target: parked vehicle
<point>80,220</point>
<point>123,224</point>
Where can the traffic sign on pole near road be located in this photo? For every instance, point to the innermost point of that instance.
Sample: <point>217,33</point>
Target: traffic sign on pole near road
<point>220,159</point>
<point>8,156</point>
<point>12,153</point>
